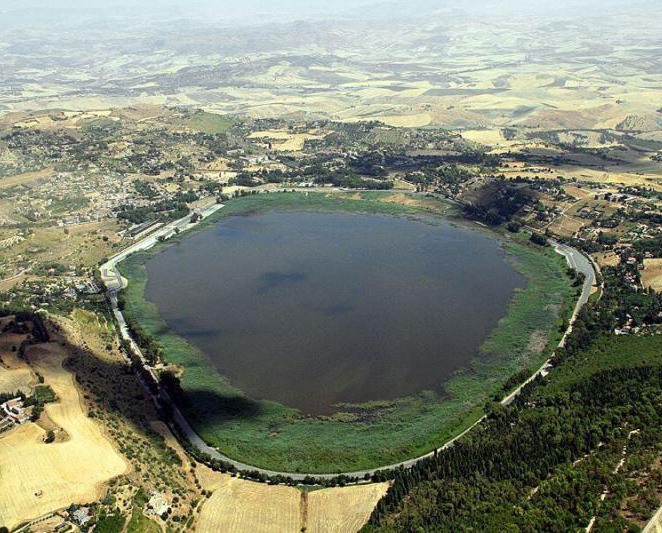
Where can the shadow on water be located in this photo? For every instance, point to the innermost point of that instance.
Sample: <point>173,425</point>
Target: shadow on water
<point>275,280</point>
<point>213,409</point>
<point>114,387</point>
<point>119,387</point>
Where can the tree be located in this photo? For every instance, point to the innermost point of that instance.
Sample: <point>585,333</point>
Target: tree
<point>539,240</point>
<point>171,383</point>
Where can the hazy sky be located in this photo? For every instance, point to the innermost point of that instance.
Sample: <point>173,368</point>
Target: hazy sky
<point>304,8</point>
<point>23,13</point>
<point>275,9</point>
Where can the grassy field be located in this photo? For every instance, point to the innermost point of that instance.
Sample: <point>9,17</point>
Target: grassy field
<point>81,245</point>
<point>24,179</point>
<point>271,435</point>
<point>607,353</point>
<point>209,122</point>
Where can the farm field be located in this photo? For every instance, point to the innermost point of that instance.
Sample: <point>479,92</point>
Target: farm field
<point>37,477</point>
<point>608,176</point>
<point>283,141</point>
<point>462,77</point>
<point>652,275</point>
<point>489,137</point>
<point>417,120</point>
<point>23,179</point>
<point>342,509</point>
<point>14,375</point>
<point>237,506</point>
<point>13,379</point>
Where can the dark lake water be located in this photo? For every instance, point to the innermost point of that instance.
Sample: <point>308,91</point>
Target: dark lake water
<point>311,310</point>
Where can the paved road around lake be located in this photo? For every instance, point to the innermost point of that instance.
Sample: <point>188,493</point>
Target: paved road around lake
<point>115,283</point>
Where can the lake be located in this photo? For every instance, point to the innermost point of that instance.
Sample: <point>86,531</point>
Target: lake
<point>314,310</point>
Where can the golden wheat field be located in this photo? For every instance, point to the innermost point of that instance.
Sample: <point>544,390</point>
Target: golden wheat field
<point>14,375</point>
<point>285,141</point>
<point>491,137</point>
<point>652,275</point>
<point>37,478</point>
<point>237,506</point>
<point>12,381</point>
<point>342,510</point>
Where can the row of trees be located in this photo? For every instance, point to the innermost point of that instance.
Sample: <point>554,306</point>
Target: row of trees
<point>151,350</point>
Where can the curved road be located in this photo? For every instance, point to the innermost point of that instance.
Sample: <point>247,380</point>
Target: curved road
<point>579,262</point>
<point>116,283</point>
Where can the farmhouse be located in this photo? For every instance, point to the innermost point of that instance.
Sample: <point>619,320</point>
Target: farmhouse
<point>82,516</point>
<point>158,504</point>
<point>14,410</point>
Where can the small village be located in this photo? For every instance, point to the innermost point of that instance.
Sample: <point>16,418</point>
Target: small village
<point>114,181</point>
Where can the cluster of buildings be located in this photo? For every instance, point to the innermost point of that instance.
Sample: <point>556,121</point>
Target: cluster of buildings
<point>13,412</point>
<point>157,505</point>
<point>628,329</point>
<point>67,199</point>
<point>84,286</point>
<point>102,195</point>
<point>44,293</point>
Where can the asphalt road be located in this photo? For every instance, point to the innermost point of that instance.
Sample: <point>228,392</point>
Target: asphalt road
<point>115,283</point>
<point>109,273</point>
<point>582,264</point>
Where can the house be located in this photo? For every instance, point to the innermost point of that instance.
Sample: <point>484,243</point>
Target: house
<point>158,504</point>
<point>14,410</point>
<point>255,159</point>
<point>82,516</point>
<point>13,407</point>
